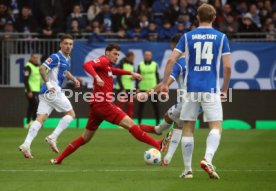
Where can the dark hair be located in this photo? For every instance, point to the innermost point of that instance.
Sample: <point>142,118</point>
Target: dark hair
<point>130,53</point>
<point>112,46</point>
<point>66,36</point>
<point>175,38</point>
<point>206,13</point>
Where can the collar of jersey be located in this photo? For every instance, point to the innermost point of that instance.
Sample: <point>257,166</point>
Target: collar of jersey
<point>205,27</point>
<point>63,55</point>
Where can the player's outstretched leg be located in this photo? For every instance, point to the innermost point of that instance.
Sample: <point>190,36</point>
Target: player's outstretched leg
<point>176,137</point>
<point>62,125</point>
<point>166,123</point>
<point>73,146</point>
<point>25,148</point>
<point>142,136</point>
<point>212,144</point>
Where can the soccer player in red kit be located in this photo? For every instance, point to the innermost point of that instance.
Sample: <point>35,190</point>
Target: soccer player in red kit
<point>102,107</point>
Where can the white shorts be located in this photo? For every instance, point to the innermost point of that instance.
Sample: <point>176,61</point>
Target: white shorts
<point>210,103</point>
<point>57,101</point>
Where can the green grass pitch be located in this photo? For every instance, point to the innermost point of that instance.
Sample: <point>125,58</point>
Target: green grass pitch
<point>113,160</point>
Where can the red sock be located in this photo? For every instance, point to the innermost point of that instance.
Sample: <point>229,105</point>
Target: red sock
<point>147,128</point>
<point>74,145</point>
<point>143,136</point>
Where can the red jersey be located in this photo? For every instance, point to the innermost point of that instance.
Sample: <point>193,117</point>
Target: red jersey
<point>103,68</point>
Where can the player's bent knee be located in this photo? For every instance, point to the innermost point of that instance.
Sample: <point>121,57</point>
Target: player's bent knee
<point>71,113</point>
<point>41,118</point>
<point>127,122</point>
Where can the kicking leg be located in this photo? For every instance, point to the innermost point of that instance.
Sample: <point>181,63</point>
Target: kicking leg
<point>74,145</point>
<point>142,136</point>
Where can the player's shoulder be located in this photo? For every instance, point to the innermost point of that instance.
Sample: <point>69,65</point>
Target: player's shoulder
<point>52,58</point>
<point>103,59</point>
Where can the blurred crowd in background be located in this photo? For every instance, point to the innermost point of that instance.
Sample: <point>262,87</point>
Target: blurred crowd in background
<point>132,19</point>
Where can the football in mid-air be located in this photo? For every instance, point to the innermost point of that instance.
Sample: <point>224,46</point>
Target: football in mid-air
<point>152,157</point>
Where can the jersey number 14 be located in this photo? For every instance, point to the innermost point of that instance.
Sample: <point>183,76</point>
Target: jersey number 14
<point>204,53</point>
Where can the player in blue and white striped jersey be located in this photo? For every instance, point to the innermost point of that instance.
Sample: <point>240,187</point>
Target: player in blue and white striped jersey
<point>204,48</point>
<point>51,97</point>
<point>173,114</point>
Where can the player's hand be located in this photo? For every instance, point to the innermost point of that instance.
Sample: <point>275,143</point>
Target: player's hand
<point>223,96</point>
<point>136,76</point>
<point>141,96</point>
<point>77,83</point>
<point>30,94</point>
<point>164,88</point>
<point>99,81</point>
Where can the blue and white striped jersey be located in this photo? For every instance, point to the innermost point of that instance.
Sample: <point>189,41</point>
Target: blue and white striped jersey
<point>57,65</point>
<point>203,49</point>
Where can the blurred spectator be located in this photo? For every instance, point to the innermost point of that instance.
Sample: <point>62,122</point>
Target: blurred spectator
<point>157,9</point>
<point>184,19</point>
<point>143,8</point>
<point>121,33</point>
<point>242,8</point>
<point>76,14</point>
<point>274,17</point>
<point>230,25</point>
<point>167,31</point>
<point>4,16</point>
<point>8,29</point>
<point>75,30</point>
<point>180,28</point>
<point>172,12</point>
<point>271,32</point>
<point>159,6</point>
<point>118,19</point>
<point>144,20</point>
<point>255,15</point>
<point>105,18</point>
<point>135,33</point>
<point>151,32</point>
<point>94,9</point>
<point>247,25</point>
<point>130,19</point>
<point>49,30</point>
<point>186,8</point>
<point>25,22</point>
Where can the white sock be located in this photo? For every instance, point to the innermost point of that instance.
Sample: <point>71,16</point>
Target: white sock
<point>32,133</point>
<point>176,136</point>
<point>212,144</point>
<point>62,125</point>
<point>187,152</point>
<point>162,127</point>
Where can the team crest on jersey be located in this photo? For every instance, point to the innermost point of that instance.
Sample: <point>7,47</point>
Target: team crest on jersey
<point>49,60</point>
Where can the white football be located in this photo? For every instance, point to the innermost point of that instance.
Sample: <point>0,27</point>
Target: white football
<point>152,157</point>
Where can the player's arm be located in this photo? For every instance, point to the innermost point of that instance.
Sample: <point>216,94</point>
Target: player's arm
<point>226,65</point>
<point>170,63</point>
<point>69,76</point>
<point>43,73</point>
<point>118,71</point>
<point>226,72</point>
<point>89,67</point>
<point>49,64</point>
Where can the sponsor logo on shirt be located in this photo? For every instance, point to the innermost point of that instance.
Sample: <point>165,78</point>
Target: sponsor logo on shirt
<point>49,60</point>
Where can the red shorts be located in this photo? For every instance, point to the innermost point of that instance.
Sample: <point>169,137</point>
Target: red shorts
<point>100,111</point>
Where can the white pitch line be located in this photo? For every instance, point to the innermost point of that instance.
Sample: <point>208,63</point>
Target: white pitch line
<point>121,170</point>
